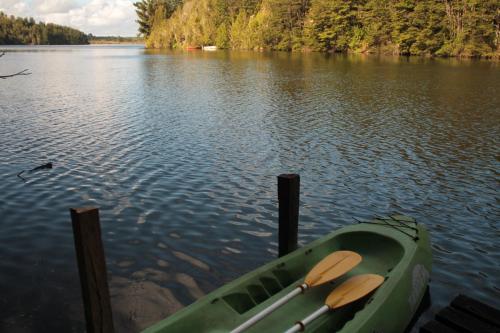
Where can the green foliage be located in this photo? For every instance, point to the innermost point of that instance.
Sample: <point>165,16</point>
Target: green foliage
<point>239,36</point>
<point>16,30</point>
<point>149,11</point>
<point>376,27</point>
<point>222,36</point>
<point>469,28</point>
<point>331,24</point>
<point>285,19</point>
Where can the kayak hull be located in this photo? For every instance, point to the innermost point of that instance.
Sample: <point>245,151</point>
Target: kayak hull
<point>394,247</point>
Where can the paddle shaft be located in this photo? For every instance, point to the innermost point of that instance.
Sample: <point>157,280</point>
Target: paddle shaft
<point>303,323</point>
<point>267,311</point>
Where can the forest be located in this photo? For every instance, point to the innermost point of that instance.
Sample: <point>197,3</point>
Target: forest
<point>462,28</point>
<point>17,30</point>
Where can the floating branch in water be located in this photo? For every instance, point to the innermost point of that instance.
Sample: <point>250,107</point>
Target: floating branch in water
<point>19,175</point>
<point>41,167</point>
<point>23,72</point>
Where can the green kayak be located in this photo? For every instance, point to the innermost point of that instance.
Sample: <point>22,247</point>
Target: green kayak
<point>395,247</point>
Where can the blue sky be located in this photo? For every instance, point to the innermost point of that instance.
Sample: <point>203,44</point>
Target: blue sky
<point>99,17</point>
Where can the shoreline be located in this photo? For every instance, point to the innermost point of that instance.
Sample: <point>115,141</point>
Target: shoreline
<point>494,58</point>
<point>107,42</point>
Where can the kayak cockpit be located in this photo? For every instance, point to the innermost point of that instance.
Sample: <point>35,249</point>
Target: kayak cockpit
<point>380,255</point>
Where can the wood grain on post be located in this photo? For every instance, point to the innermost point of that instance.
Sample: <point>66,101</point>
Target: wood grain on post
<point>92,268</point>
<point>288,198</point>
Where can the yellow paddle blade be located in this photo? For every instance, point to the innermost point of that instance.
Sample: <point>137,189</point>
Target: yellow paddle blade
<point>331,267</point>
<point>353,289</point>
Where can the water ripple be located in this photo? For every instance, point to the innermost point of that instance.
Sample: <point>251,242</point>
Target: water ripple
<point>180,152</point>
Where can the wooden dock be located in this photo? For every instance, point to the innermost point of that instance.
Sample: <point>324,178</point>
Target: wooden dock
<point>465,314</point>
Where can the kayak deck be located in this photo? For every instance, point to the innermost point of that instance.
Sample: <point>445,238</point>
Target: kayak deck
<point>382,246</point>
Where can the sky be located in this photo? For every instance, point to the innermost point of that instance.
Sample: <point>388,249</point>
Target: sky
<point>98,17</point>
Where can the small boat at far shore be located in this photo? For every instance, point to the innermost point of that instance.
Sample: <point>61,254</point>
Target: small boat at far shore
<point>193,47</point>
<point>209,48</point>
<point>394,247</point>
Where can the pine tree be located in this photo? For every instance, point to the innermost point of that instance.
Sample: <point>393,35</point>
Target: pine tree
<point>150,10</point>
<point>330,24</point>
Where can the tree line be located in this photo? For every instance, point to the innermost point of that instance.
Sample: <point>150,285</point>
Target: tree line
<point>17,30</point>
<point>467,28</point>
<point>114,40</point>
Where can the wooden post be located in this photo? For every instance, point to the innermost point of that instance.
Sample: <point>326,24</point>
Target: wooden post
<point>92,268</point>
<point>288,198</point>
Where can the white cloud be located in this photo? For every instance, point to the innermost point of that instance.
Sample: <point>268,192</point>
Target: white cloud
<point>99,17</point>
<point>14,7</point>
<point>54,6</point>
<point>7,3</point>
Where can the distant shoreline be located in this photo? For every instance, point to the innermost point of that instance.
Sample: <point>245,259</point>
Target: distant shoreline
<point>116,40</point>
<point>113,42</point>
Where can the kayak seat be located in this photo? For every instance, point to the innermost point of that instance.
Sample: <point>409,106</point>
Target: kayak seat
<point>380,253</point>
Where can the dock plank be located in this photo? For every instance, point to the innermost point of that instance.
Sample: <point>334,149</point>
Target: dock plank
<point>436,327</point>
<point>464,322</point>
<point>465,315</point>
<point>477,309</point>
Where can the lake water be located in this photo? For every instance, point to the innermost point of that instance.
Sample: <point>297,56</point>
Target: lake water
<point>180,151</point>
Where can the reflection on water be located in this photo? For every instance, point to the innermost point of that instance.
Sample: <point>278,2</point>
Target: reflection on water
<point>180,151</point>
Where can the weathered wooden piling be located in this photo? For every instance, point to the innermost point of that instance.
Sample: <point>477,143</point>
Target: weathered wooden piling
<point>92,268</point>
<point>288,198</point>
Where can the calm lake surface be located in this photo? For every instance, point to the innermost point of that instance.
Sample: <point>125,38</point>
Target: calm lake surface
<point>180,151</point>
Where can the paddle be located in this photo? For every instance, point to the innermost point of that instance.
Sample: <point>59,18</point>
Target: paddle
<point>348,292</point>
<point>328,269</point>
